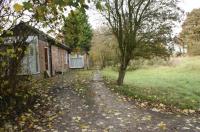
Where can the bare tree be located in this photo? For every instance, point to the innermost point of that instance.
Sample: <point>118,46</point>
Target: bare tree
<point>139,26</point>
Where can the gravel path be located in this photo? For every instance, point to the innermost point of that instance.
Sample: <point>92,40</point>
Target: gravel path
<point>121,115</point>
<point>105,111</point>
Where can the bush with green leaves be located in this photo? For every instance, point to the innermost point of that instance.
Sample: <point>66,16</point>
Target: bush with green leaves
<point>14,92</point>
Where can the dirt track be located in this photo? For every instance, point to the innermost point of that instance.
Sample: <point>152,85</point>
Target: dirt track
<point>104,110</point>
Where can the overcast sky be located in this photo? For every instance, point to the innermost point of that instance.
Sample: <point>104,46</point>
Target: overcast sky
<point>187,5</point>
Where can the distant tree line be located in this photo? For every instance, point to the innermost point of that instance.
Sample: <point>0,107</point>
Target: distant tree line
<point>190,35</point>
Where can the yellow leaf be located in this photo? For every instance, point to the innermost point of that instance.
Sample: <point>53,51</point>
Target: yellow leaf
<point>162,125</point>
<point>52,117</point>
<point>18,7</point>
<point>83,126</point>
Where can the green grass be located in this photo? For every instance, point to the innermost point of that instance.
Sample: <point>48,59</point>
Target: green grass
<point>177,85</point>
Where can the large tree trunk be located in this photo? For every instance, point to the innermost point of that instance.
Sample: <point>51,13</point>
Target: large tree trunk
<point>122,72</point>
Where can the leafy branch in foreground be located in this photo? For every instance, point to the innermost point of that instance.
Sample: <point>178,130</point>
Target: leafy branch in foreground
<point>13,41</point>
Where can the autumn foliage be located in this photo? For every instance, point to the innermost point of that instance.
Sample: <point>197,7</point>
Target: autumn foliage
<point>190,34</point>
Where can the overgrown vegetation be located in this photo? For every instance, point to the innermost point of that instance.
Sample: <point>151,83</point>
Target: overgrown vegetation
<point>14,86</point>
<point>15,93</point>
<point>176,84</point>
<point>42,108</point>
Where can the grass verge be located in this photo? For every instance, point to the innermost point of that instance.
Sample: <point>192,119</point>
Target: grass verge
<point>176,85</point>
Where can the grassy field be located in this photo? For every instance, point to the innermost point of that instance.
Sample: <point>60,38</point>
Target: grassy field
<point>177,85</point>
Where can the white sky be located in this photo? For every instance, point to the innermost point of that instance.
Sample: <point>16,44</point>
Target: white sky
<point>187,5</point>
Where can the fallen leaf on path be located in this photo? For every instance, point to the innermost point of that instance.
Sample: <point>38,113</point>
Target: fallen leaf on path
<point>155,110</point>
<point>185,128</point>
<point>76,119</point>
<point>52,117</point>
<point>83,126</point>
<point>162,125</point>
<point>146,118</point>
<point>117,113</point>
<point>111,127</point>
<point>198,128</point>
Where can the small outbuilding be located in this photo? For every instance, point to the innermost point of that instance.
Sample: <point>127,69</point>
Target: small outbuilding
<point>45,54</point>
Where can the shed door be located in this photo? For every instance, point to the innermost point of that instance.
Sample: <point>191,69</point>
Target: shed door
<point>46,59</point>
